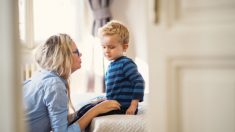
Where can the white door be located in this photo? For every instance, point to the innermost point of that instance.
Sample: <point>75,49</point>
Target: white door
<point>192,66</point>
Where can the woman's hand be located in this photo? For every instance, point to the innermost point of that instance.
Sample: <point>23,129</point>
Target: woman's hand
<point>100,108</point>
<point>106,106</point>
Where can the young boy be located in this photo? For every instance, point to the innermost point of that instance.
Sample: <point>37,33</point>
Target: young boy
<point>122,80</point>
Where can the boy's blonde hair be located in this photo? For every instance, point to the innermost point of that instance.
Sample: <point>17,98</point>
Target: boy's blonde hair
<point>115,28</point>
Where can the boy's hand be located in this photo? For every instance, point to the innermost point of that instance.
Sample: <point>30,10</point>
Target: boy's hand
<point>132,108</point>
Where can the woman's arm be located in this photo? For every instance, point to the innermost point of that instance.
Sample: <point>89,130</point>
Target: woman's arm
<point>100,108</point>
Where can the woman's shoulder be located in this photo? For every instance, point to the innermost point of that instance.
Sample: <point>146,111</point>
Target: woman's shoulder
<point>51,83</point>
<point>44,77</point>
<point>52,78</point>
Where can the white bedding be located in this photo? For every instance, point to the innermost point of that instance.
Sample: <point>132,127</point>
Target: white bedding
<point>115,123</point>
<point>118,123</point>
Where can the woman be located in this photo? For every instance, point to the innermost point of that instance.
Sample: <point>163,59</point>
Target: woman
<point>47,94</point>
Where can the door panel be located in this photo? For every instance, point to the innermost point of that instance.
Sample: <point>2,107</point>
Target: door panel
<point>201,95</point>
<point>192,66</point>
<point>207,102</point>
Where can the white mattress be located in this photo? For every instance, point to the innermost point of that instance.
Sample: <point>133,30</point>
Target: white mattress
<point>117,123</point>
<point>120,123</point>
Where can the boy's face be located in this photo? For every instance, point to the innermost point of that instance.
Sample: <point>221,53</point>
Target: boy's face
<point>112,48</point>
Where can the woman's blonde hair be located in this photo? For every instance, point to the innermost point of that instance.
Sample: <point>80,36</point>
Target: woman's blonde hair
<point>115,28</point>
<point>56,55</point>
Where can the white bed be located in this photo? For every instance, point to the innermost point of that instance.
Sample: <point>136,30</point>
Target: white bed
<point>119,123</point>
<point>116,123</point>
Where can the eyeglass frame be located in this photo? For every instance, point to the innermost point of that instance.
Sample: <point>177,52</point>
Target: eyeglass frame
<point>77,52</point>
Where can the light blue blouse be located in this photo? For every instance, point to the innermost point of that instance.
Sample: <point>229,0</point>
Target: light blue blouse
<point>45,102</point>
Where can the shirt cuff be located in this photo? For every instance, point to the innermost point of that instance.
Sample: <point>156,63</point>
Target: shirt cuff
<point>74,128</point>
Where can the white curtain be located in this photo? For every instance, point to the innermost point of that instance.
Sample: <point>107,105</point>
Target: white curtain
<point>90,77</point>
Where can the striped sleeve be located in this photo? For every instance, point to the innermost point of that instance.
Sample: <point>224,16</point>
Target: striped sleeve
<point>131,72</point>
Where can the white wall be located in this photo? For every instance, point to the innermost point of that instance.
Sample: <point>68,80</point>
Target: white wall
<point>133,13</point>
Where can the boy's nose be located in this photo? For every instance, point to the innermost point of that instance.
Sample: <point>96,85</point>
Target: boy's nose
<point>106,50</point>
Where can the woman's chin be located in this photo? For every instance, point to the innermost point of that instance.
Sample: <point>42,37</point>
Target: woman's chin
<point>75,69</point>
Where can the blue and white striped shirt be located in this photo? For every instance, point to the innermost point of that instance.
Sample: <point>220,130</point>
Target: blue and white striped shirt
<point>123,82</point>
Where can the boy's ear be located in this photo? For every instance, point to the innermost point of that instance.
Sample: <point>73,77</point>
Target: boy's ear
<point>125,46</point>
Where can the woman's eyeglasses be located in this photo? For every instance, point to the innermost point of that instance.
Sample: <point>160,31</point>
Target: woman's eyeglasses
<point>77,52</point>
